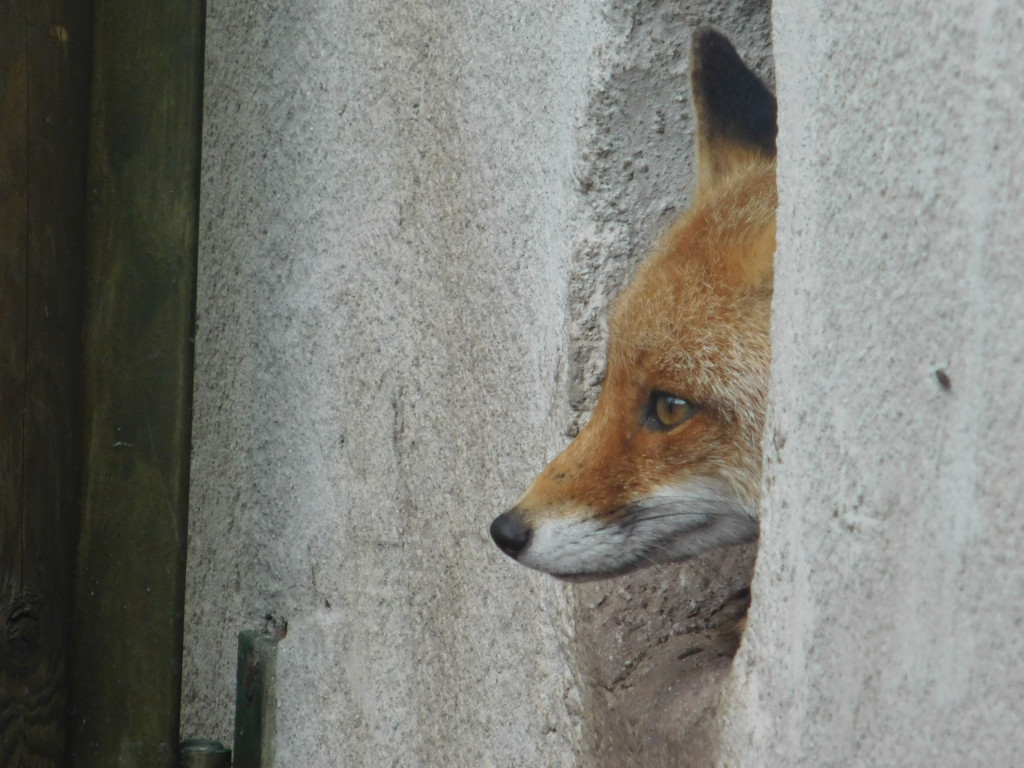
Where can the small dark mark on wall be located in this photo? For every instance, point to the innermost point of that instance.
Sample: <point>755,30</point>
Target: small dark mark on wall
<point>944,381</point>
<point>277,627</point>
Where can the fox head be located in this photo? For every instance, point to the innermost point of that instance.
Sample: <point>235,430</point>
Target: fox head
<point>669,465</point>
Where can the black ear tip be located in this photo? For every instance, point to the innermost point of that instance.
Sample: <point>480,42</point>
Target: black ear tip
<point>732,101</point>
<point>708,41</point>
<point>711,49</point>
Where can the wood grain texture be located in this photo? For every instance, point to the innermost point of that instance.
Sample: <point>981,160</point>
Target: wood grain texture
<point>44,64</point>
<point>142,202</point>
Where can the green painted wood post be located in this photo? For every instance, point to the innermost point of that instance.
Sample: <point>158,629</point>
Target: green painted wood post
<point>256,699</point>
<point>142,214</point>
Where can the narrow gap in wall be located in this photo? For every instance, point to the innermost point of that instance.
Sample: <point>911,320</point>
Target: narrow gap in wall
<point>651,652</point>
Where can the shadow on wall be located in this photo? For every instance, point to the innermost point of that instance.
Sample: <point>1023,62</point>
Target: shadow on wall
<point>655,648</point>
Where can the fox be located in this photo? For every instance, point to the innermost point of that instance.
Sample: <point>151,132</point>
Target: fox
<point>669,465</point>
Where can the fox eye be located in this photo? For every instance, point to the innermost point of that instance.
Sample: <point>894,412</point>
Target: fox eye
<point>665,411</point>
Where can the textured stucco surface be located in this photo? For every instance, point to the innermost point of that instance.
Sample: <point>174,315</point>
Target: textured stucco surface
<point>414,218</point>
<point>889,591</point>
<point>382,289</point>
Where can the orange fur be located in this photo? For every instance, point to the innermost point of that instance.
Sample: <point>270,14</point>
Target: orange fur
<point>693,323</point>
<point>714,268</point>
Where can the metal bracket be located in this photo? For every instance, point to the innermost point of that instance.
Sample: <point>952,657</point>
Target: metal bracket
<point>204,753</point>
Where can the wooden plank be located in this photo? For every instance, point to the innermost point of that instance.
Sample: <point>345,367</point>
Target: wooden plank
<point>143,194</point>
<point>13,265</point>
<point>46,54</point>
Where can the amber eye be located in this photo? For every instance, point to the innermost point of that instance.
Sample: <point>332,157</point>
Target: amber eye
<point>665,411</point>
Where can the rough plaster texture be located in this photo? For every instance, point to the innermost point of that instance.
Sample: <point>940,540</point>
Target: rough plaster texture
<point>382,293</point>
<point>889,592</point>
<point>414,216</point>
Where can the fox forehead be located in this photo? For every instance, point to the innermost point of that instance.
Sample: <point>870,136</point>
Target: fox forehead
<point>695,319</point>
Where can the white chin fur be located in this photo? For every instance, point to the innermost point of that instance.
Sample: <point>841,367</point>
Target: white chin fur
<point>674,523</point>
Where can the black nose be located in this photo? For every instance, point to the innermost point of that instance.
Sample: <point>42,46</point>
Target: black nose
<point>510,532</point>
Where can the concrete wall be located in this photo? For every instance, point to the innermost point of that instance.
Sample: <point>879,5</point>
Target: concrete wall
<point>382,293</point>
<point>381,320</point>
<point>889,593</point>
<point>413,218</point>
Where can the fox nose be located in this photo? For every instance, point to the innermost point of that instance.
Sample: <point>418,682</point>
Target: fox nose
<point>511,533</point>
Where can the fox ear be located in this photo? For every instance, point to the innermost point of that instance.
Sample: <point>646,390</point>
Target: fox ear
<point>736,113</point>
